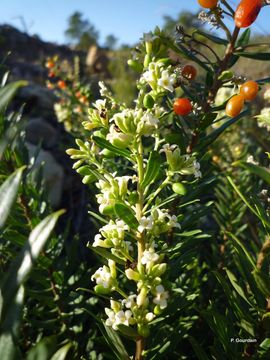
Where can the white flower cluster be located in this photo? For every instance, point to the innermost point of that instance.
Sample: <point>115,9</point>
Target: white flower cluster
<point>111,189</point>
<point>106,276</point>
<point>160,221</point>
<point>158,78</point>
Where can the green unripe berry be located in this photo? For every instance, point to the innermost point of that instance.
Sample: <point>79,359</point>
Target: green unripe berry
<point>179,188</point>
<point>148,101</point>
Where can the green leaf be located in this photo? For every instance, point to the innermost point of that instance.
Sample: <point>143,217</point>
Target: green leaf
<point>262,56</point>
<point>125,213</point>
<point>209,139</point>
<point>8,194</point>
<point>152,168</point>
<point>127,331</point>
<point>199,351</point>
<point>105,144</point>
<point>10,328</point>
<point>261,171</point>
<point>236,286</point>
<point>8,92</point>
<point>61,354</point>
<point>244,38</point>
<point>23,263</point>
<point>262,282</point>
<point>43,350</point>
<point>115,343</point>
<point>213,38</point>
<point>106,254</point>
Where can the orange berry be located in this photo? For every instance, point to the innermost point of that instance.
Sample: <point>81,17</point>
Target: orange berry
<point>247,12</point>
<point>61,84</point>
<point>235,105</point>
<point>249,90</point>
<point>182,106</point>
<point>83,99</point>
<point>208,4</point>
<point>78,94</point>
<point>189,72</point>
<point>51,74</point>
<point>49,64</point>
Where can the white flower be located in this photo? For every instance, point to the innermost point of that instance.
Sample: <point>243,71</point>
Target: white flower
<point>161,297</point>
<point>145,223</point>
<point>130,301</point>
<point>98,242</point>
<point>166,81</point>
<point>173,222</point>
<point>149,76</point>
<point>149,257</point>
<point>103,89</point>
<point>149,316</point>
<point>150,120</point>
<point>100,104</point>
<point>111,318</point>
<point>251,160</point>
<point>103,277</point>
<point>168,147</point>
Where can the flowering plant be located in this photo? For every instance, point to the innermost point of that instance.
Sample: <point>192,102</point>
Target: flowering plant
<point>143,159</point>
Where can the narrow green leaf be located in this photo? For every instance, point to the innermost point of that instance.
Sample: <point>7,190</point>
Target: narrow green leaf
<point>105,144</point>
<point>236,286</point>
<point>43,350</point>
<point>7,93</point>
<point>262,282</point>
<point>213,38</point>
<point>128,331</point>
<point>115,343</point>
<point>23,263</point>
<point>199,351</point>
<point>8,194</point>
<point>244,38</point>
<point>106,254</point>
<point>152,168</point>
<point>209,139</point>
<point>261,171</point>
<point>125,213</point>
<point>61,354</point>
<point>10,328</point>
<point>262,56</point>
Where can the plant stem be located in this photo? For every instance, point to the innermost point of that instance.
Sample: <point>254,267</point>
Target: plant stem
<point>140,236</point>
<point>139,348</point>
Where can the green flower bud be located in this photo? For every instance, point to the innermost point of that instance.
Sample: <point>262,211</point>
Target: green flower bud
<point>158,269</point>
<point>132,275</point>
<point>179,188</point>
<point>148,101</point>
<point>108,210</point>
<point>157,310</point>
<point>143,330</point>
<point>89,179</point>
<point>147,60</point>
<point>120,140</point>
<point>135,65</point>
<point>99,289</point>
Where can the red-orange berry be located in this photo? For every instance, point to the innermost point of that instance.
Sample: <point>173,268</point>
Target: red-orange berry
<point>51,74</point>
<point>247,12</point>
<point>189,72</point>
<point>235,105</point>
<point>49,64</point>
<point>249,90</point>
<point>61,84</point>
<point>208,4</point>
<point>182,106</point>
